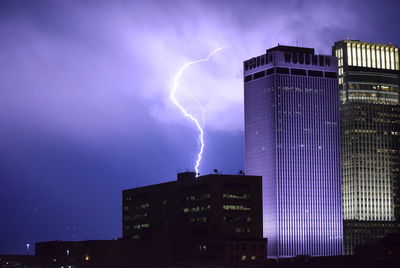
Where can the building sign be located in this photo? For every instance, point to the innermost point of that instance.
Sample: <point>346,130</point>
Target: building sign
<point>306,58</point>
<point>289,57</point>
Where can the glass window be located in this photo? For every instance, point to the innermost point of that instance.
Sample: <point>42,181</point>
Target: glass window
<point>363,53</point>
<point>387,58</point>
<point>259,75</point>
<point>248,78</point>
<point>378,58</point>
<point>354,53</point>
<point>392,59</point>
<point>349,55</point>
<point>373,56</point>
<point>281,70</point>
<point>315,73</point>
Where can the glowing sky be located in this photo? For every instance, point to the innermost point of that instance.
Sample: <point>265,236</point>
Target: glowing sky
<point>84,97</point>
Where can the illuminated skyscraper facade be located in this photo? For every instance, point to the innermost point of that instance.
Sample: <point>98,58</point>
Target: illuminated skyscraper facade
<point>292,141</point>
<point>370,139</point>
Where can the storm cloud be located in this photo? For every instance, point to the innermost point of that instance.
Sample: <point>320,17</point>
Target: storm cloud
<point>84,96</point>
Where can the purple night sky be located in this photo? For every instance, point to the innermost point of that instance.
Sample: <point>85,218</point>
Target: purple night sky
<point>84,97</point>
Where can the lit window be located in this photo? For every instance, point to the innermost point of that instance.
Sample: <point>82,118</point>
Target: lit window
<point>236,196</point>
<point>387,58</point>
<point>349,55</point>
<point>141,226</point>
<point>368,56</point>
<point>392,62</point>
<point>373,55</point>
<point>359,55</point>
<point>383,62</point>
<point>236,207</point>
<point>242,230</point>
<point>378,58</point>
<point>363,50</point>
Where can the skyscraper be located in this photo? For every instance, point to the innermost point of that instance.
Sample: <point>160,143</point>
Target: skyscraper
<point>292,141</point>
<point>370,139</point>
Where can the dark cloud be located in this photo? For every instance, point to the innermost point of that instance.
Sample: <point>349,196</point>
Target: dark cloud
<point>84,97</point>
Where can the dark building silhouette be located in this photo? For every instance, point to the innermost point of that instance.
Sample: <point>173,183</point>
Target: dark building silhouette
<point>25,261</point>
<point>120,254</point>
<point>387,247</point>
<point>212,218</point>
<point>207,221</point>
<point>292,141</point>
<point>370,139</point>
<point>89,254</point>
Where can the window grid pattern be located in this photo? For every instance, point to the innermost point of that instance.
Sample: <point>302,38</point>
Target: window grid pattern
<point>369,161</point>
<point>292,140</point>
<point>370,143</point>
<point>309,196</point>
<point>371,55</point>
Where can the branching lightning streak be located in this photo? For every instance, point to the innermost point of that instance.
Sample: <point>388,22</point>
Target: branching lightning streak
<point>186,113</point>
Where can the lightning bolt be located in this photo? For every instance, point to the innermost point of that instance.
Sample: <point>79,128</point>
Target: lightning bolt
<point>186,113</point>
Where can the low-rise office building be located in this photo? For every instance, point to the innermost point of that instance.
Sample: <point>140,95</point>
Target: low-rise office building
<point>208,218</point>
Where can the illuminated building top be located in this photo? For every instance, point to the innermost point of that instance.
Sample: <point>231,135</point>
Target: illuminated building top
<point>366,55</point>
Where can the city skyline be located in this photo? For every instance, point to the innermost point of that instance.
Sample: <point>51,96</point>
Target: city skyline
<point>84,112</point>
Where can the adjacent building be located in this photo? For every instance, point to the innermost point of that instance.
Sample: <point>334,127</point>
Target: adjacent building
<point>212,218</point>
<point>87,254</point>
<point>292,141</point>
<point>370,139</point>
